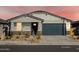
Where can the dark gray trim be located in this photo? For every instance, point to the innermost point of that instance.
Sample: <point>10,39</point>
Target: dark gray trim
<point>40,11</point>
<point>2,21</point>
<point>25,16</point>
<point>37,18</point>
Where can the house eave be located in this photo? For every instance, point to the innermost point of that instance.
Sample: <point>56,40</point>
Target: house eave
<point>39,11</point>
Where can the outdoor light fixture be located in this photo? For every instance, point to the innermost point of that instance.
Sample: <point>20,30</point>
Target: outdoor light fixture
<point>34,24</point>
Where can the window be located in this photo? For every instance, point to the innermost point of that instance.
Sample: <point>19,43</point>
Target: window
<point>18,26</point>
<point>14,23</point>
<point>25,24</point>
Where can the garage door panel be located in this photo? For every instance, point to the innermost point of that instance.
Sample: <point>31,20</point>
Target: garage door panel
<point>53,29</point>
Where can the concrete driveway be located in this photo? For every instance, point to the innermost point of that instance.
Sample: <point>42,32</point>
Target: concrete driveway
<point>47,40</point>
<point>60,40</point>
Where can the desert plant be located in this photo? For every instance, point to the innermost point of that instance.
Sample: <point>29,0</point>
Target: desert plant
<point>7,37</point>
<point>17,37</point>
<point>27,35</point>
<point>38,37</point>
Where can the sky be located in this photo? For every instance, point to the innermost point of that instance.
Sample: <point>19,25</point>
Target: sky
<point>70,12</point>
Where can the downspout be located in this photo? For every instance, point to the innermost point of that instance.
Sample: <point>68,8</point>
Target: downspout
<point>9,25</point>
<point>64,28</point>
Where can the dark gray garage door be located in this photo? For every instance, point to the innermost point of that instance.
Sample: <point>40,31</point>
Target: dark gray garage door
<point>54,29</point>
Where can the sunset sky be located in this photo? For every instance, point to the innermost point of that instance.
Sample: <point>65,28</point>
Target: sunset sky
<point>69,12</point>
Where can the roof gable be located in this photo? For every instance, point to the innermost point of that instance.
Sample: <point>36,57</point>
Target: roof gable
<point>27,15</point>
<point>40,11</point>
<point>3,21</point>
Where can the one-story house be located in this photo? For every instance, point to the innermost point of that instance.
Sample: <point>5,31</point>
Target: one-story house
<point>25,24</point>
<point>53,24</point>
<point>75,25</point>
<point>3,28</point>
<point>46,24</point>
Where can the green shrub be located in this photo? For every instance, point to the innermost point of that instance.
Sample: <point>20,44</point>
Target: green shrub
<point>27,35</point>
<point>8,37</point>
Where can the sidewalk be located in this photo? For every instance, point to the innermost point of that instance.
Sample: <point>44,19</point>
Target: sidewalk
<point>47,40</point>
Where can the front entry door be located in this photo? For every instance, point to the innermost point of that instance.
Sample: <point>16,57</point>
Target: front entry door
<point>34,28</point>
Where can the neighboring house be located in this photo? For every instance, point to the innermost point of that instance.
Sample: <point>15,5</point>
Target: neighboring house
<point>53,24</point>
<point>3,26</point>
<point>75,25</point>
<point>23,24</point>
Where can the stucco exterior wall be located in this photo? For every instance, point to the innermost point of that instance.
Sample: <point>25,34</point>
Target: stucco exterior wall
<point>27,26</point>
<point>1,29</point>
<point>48,18</point>
<point>25,19</point>
<point>68,25</point>
<point>39,26</point>
<point>52,19</point>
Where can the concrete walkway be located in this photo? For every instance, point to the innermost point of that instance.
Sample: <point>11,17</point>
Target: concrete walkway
<point>47,40</point>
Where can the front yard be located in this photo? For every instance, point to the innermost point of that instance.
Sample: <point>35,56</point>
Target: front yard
<point>44,40</point>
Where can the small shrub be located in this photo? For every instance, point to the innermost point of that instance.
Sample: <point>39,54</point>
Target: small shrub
<point>38,37</point>
<point>0,38</point>
<point>7,37</point>
<point>17,37</point>
<point>27,36</point>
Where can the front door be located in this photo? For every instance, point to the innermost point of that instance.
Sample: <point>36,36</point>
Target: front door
<point>34,28</point>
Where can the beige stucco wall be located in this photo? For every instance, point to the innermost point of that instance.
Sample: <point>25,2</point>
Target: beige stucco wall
<point>53,19</point>
<point>28,21</point>
<point>2,34</point>
<point>25,19</point>
<point>39,26</point>
<point>68,25</point>
<point>48,18</point>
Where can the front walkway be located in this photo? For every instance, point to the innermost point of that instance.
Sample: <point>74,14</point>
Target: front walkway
<point>46,40</point>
